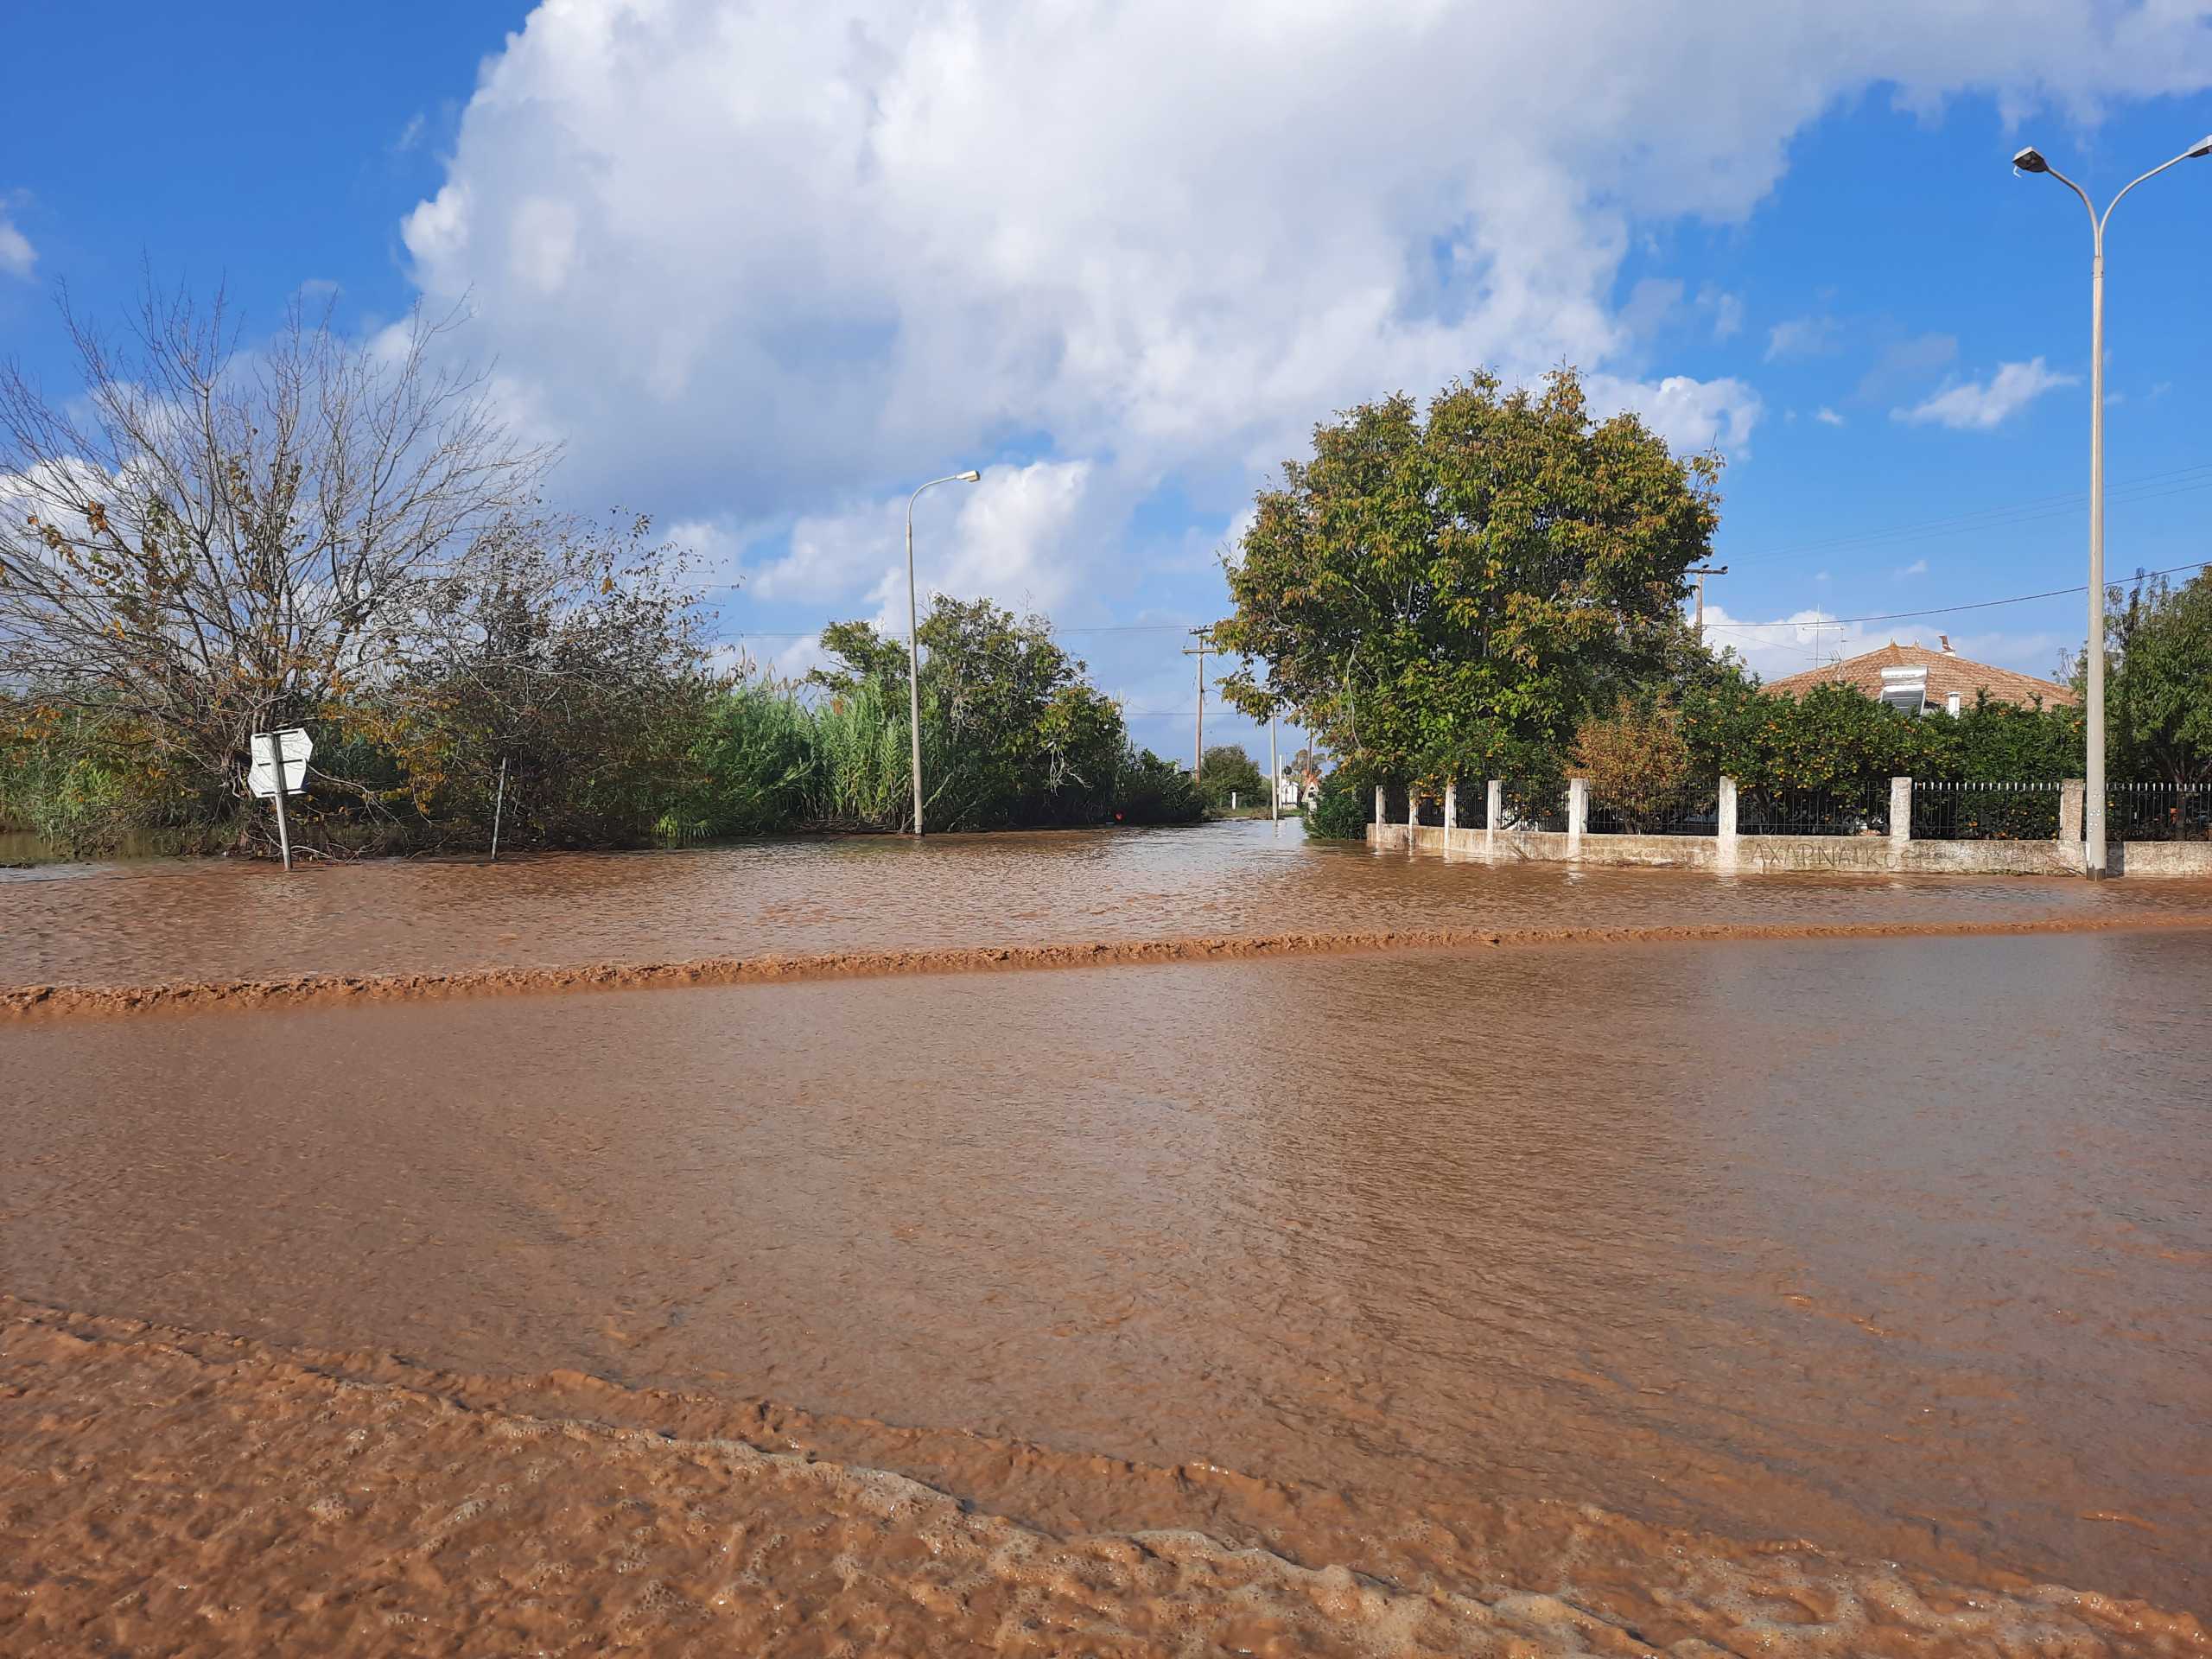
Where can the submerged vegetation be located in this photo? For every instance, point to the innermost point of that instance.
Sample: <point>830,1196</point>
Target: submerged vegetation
<point>575,736</point>
<point>346,536</point>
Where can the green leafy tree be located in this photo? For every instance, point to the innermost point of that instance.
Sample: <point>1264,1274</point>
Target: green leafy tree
<point>1229,772</point>
<point>1432,594</point>
<point>1012,732</point>
<point>2006,742</point>
<point>2158,693</point>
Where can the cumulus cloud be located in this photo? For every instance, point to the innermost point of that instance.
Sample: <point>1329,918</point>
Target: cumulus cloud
<point>1827,417</point>
<point>1689,414</point>
<point>1977,406</point>
<point>17,256</point>
<point>753,262</point>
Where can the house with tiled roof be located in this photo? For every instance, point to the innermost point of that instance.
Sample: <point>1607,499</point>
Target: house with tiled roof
<point>1920,680</point>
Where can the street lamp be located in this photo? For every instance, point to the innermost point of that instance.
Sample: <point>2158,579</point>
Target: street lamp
<point>914,637</point>
<point>2030,161</point>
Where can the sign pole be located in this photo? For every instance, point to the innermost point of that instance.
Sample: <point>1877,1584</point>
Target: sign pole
<point>1274,774</point>
<point>276,766</point>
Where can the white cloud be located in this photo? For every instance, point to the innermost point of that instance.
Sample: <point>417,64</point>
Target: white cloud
<point>753,262</point>
<point>17,256</point>
<point>1917,567</point>
<point>1689,414</point>
<point>1727,310</point>
<point>1020,537</point>
<point>1978,406</point>
<point>1827,417</point>
<point>1802,337</point>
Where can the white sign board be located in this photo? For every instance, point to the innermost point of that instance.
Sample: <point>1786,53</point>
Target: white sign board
<point>295,747</point>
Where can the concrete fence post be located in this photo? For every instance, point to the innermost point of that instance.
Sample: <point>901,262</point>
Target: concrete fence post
<point>1413,816</point>
<point>1577,813</point>
<point>1900,821</point>
<point>1724,826</point>
<point>2071,795</point>
<point>1493,810</point>
<point>1379,819</point>
<point>1450,811</point>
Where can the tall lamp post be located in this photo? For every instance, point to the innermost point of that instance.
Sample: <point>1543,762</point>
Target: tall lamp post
<point>2030,161</point>
<point>914,638</point>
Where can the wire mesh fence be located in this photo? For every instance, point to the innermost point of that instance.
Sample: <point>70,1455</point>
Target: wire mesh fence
<point>1689,809</point>
<point>1861,809</point>
<point>1524,804</point>
<point>1472,802</point>
<point>1957,812</point>
<point>2159,812</point>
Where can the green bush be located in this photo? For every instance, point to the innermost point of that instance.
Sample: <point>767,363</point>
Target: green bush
<point>1153,790</point>
<point>1341,808</point>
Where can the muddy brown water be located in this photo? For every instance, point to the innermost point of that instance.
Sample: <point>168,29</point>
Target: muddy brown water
<point>155,920</point>
<point>1900,1246</point>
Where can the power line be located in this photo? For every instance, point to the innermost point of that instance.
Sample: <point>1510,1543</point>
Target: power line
<point>1935,610</point>
<point>2003,517</point>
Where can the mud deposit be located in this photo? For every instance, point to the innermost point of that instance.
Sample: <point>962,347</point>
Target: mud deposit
<point>1663,1264</point>
<point>173,1491</point>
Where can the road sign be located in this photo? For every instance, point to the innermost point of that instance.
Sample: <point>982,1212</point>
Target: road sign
<point>294,746</point>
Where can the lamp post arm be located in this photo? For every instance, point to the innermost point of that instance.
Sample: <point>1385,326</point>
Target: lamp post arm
<point>2096,225</point>
<point>2153,173</point>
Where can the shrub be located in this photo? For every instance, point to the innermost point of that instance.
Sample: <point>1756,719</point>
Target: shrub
<point>1341,809</point>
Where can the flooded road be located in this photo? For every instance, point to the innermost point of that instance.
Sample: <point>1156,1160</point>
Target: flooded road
<point>154,921</point>
<point>1589,1270</point>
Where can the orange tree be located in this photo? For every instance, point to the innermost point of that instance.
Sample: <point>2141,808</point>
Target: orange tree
<point>1442,594</point>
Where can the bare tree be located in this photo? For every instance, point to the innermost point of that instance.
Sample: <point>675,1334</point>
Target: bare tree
<point>207,541</point>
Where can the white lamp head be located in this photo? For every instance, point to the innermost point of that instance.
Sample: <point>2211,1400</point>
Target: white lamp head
<point>2202,147</point>
<point>2030,161</point>
<point>971,476</point>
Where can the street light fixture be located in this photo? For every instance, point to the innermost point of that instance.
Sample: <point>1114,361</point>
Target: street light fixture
<point>914,638</point>
<point>2031,160</point>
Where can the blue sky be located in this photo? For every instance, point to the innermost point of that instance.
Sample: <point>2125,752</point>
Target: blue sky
<point>762,268</point>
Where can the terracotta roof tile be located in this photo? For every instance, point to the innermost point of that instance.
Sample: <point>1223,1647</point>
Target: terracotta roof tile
<point>1948,673</point>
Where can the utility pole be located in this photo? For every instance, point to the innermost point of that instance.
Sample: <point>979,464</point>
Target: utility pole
<point>914,641</point>
<point>1204,637</point>
<point>1702,571</point>
<point>1274,774</point>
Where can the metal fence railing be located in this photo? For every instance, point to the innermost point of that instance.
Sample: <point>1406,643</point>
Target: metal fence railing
<point>1472,802</point>
<point>1528,805</point>
<point>1691,810</point>
<point>1855,810</point>
<point>1952,811</point>
<point>2159,812</point>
